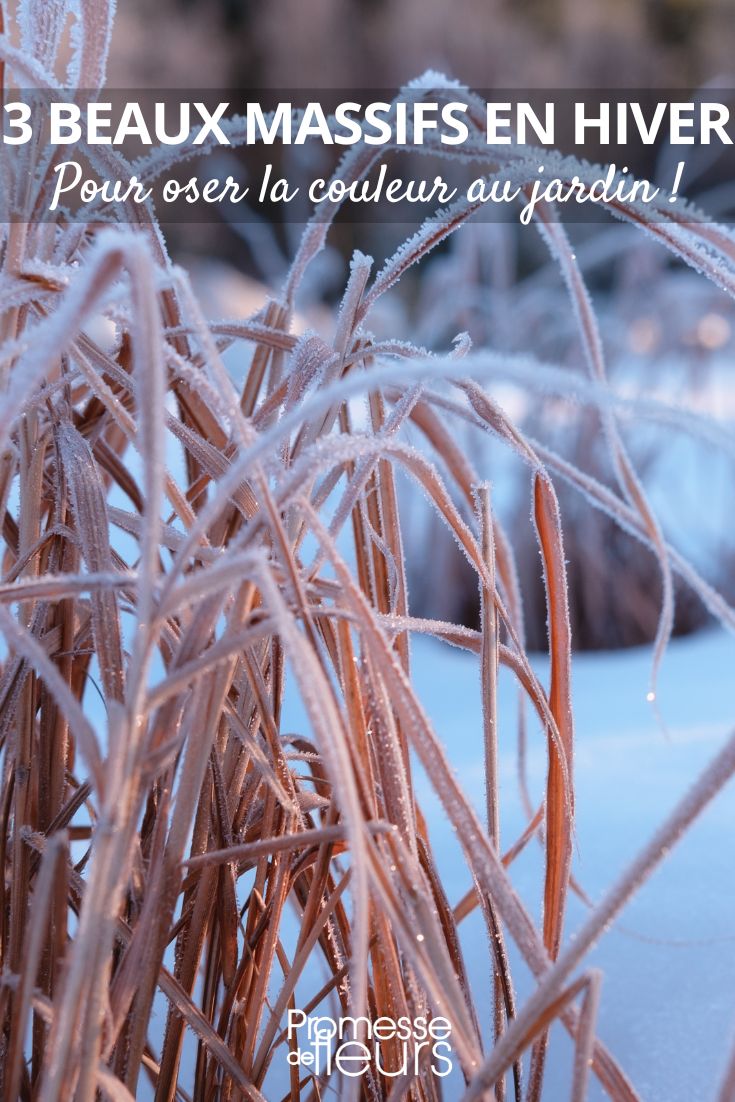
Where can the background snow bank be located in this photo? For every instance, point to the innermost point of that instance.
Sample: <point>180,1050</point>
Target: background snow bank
<point>668,1003</point>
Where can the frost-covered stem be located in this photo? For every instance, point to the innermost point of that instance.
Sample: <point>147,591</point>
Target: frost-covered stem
<point>13,262</point>
<point>584,1042</point>
<point>489,665</point>
<point>489,675</point>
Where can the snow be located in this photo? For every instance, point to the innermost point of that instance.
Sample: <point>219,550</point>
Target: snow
<point>668,997</point>
<point>668,1009</point>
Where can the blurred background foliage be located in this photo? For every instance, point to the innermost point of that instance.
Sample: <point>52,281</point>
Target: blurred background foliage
<point>376,43</point>
<point>665,332</point>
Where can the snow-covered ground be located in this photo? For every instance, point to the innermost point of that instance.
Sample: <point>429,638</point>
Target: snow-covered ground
<point>668,1002</point>
<point>668,998</point>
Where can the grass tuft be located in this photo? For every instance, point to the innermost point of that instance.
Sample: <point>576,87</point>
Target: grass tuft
<point>181,555</point>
